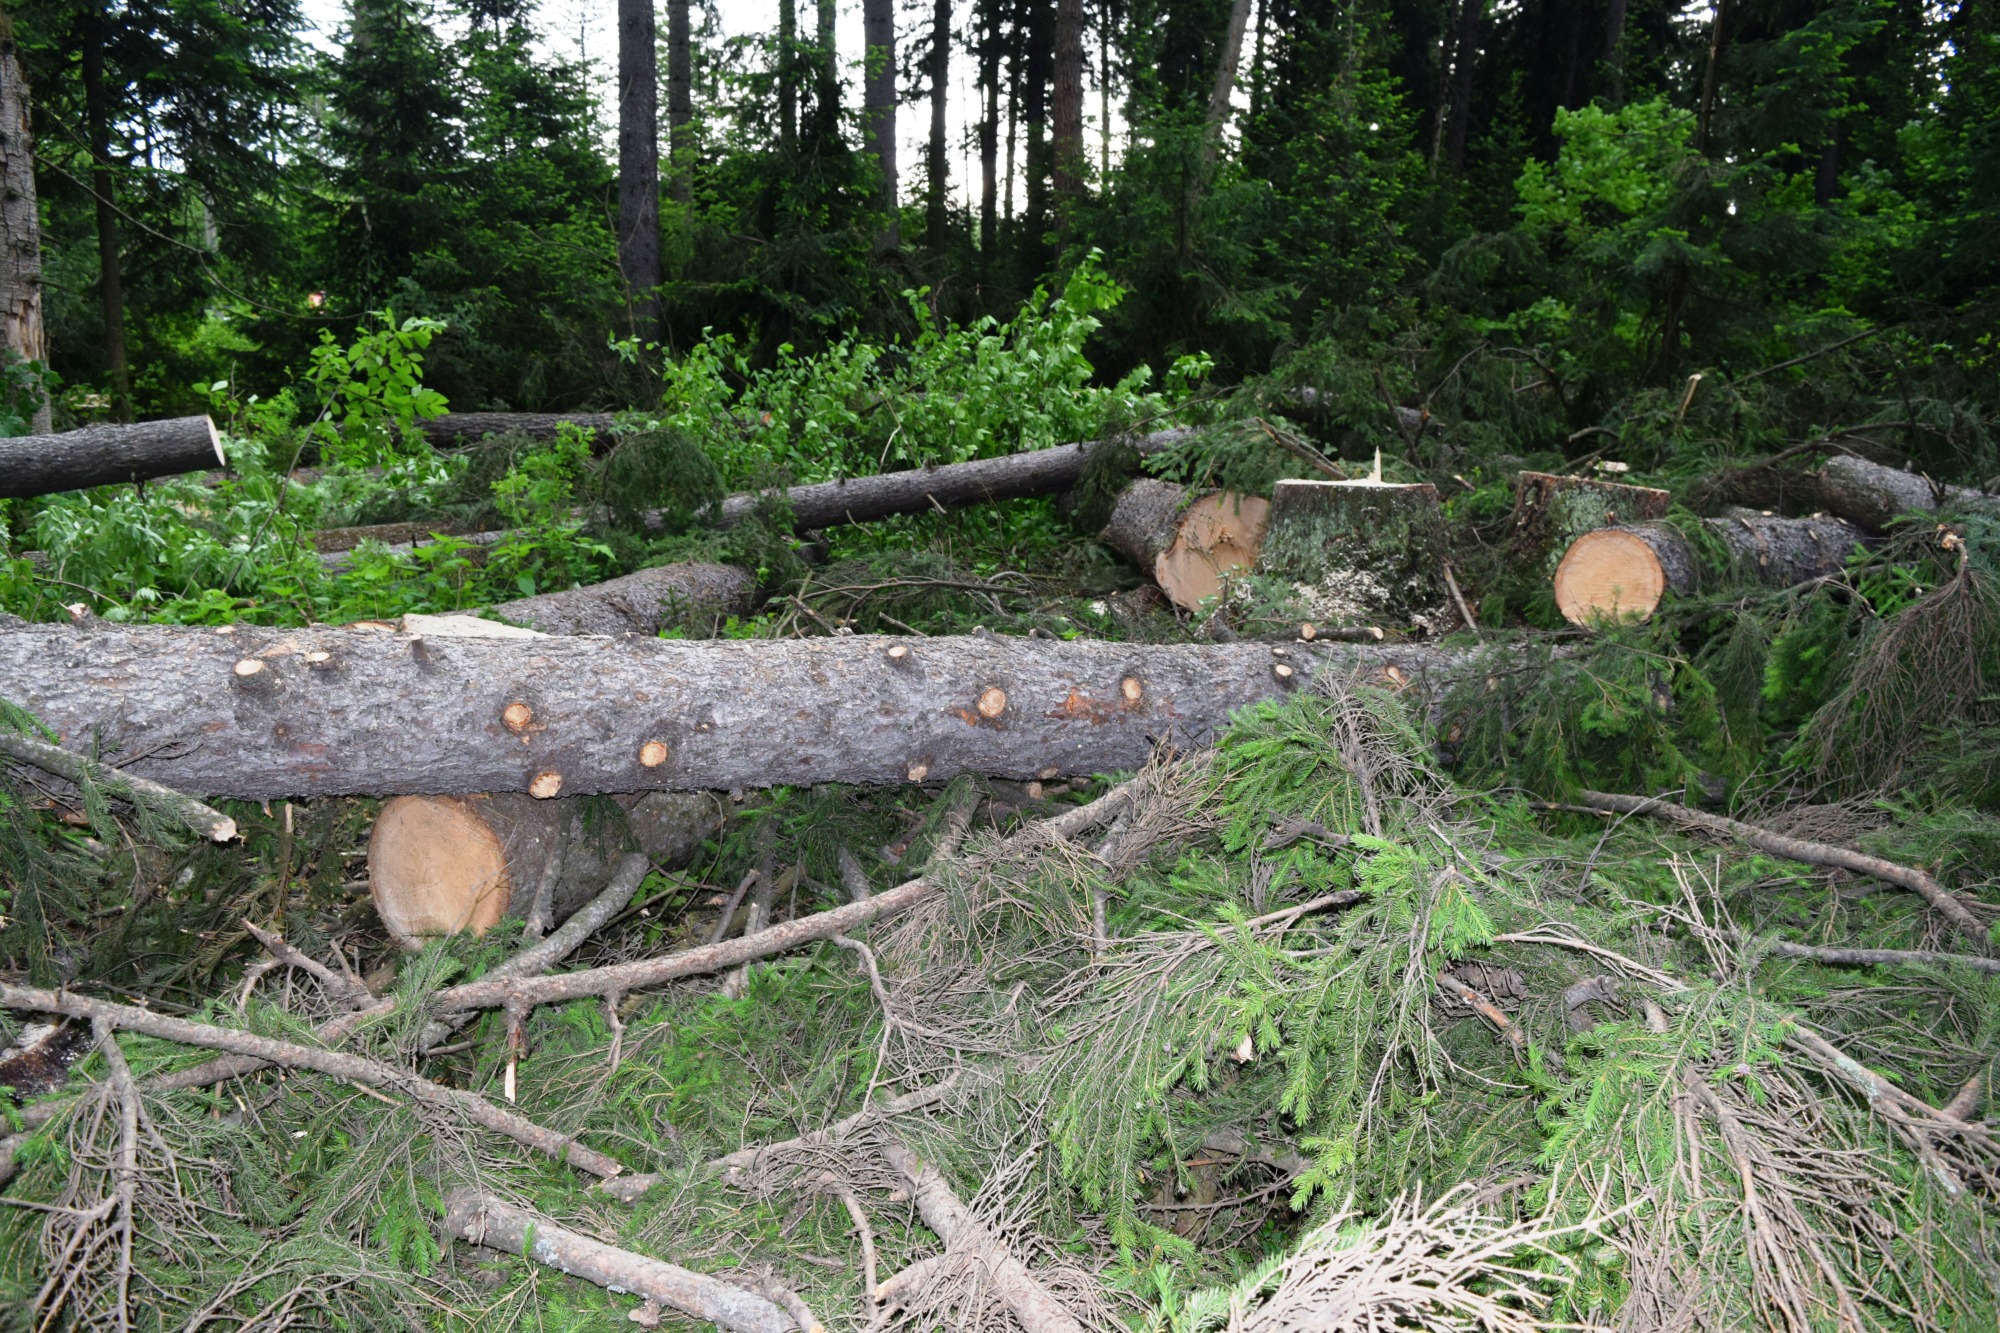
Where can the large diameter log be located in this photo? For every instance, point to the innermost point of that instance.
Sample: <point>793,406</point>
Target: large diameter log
<point>1551,511</point>
<point>691,595</point>
<point>1622,573</point>
<point>257,712</point>
<point>1188,546</point>
<point>1358,552</point>
<point>103,455</point>
<point>948,486</point>
<point>1867,494</point>
<point>441,865</point>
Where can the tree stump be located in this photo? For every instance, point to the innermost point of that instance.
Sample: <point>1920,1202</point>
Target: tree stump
<point>1358,552</point>
<point>1551,511</point>
<point>441,865</point>
<point>1622,573</point>
<point>1189,547</point>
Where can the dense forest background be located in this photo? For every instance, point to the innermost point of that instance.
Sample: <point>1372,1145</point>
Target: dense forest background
<point>1614,194</point>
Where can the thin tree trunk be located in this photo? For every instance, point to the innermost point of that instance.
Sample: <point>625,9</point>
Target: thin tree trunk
<point>935,212</point>
<point>639,165</point>
<point>1614,36</point>
<point>878,21</point>
<point>110,276</point>
<point>21,328</point>
<point>1717,40</point>
<point>1257,79</point>
<point>1459,122</point>
<point>826,64</point>
<point>1225,82</point>
<point>1668,360</point>
<point>1035,112</point>
<point>1015,77</point>
<point>1104,94</point>
<point>989,132</point>
<point>1069,158</point>
<point>788,86</point>
<point>680,99</point>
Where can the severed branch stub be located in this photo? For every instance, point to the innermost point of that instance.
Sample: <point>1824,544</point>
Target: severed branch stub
<point>481,1219</point>
<point>210,823</point>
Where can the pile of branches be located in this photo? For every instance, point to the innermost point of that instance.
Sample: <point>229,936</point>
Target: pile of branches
<point>1291,1033</point>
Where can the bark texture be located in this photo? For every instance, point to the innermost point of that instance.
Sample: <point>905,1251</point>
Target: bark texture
<point>102,455</point>
<point>1867,494</point>
<point>1358,551</point>
<point>639,165</point>
<point>1551,511</point>
<point>455,428</point>
<point>1624,571</point>
<point>1227,59</point>
<point>21,328</point>
<point>1067,107</point>
<point>680,100</point>
<point>483,1220</point>
<point>1188,546</point>
<point>257,712</point>
<point>878,25</point>
<point>110,272</point>
<point>693,595</point>
<point>950,486</point>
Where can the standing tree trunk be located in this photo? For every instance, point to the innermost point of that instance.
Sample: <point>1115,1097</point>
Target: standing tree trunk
<point>1459,118</point>
<point>110,276</point>
<point>826,76</point>
<point>1016,76</point>
<point>1040,37</point>
<point>934,211</point>
<point>1069,158</point>
<point>1225,82</point>
<point>680,99</point>
<point>788,85</point>
<point>639,165</point>
<point>1104,94</point>
<point>878,23</point>
<point>989,133</point>
<point>21,330</point>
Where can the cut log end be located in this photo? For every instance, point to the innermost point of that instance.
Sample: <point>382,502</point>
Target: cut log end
<point>435,867</point>
<point>1218,536</point>
<point>1610,574</point>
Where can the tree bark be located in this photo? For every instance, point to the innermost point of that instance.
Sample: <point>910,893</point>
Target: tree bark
<point>1623,572</point>
<point>680,100</point>
<point>454,428</point>
<point>826,102</point>
<point>952,485</point>
<point>639,165</point>
<point>110,273</point>
<point>692,595</point>
<point>104,455</point>
<point>21,329</point>
<point>1068,109</point>
<point>260,713</point>
<point>1466,44</point>
<point>936,214</point>
<point>1874,496</point>
<point>1225,81</point>
<point>788,74</point>
<point>1551,511</point>
<point>1360,551</point>
<point>989,133</point>
<point>878,22</point>
<point>1038,70</point>
<point>1189,546</point>
<point>480,1219</point>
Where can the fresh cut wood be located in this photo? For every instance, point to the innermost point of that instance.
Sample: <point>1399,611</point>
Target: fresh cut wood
<point>1623,573</point>
<point>256,712</point>
<point>103,455</point>
<point>1551,511</point>
<point>1189,544</point>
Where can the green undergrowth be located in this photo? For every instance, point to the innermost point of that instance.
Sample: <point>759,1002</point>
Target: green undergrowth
<point>1280,914</point>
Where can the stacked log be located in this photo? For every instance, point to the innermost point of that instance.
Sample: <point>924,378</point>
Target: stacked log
<point>1623,573</point>
<point>104,455</point>
<point>1358,552</point>
<point>692,595</point>
<point>1190,544</point>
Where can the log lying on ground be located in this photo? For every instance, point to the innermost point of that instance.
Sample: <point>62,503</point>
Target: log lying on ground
<point>481,1219</point>
<point>162,801</point>
<point>456,428</point>
<point>695,595</point>
<point>1622,573</point>
<point>258,713</point>
<point>1551,511</point>
<point>1189,545</point>
<point>949,486</point>
<point>102,455</point>
<point>1864,493</point>
<point>1358,552</point>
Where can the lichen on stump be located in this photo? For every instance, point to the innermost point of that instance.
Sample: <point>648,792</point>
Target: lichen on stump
<point>1358,552</point>
<point>1551,511</point>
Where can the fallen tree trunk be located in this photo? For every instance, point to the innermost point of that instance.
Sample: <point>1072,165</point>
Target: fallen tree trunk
<point>1622,573</point>
<point>481,1219</point>
<point>695,595</point>
<point>456,428</point>
<point>1188,545</point>
<point>828,504</point>
<point>258,713</point>
<point>1868,494</point>
<point>103,455</point>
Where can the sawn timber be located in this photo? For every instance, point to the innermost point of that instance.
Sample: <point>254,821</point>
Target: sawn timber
<point>258,713</point>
